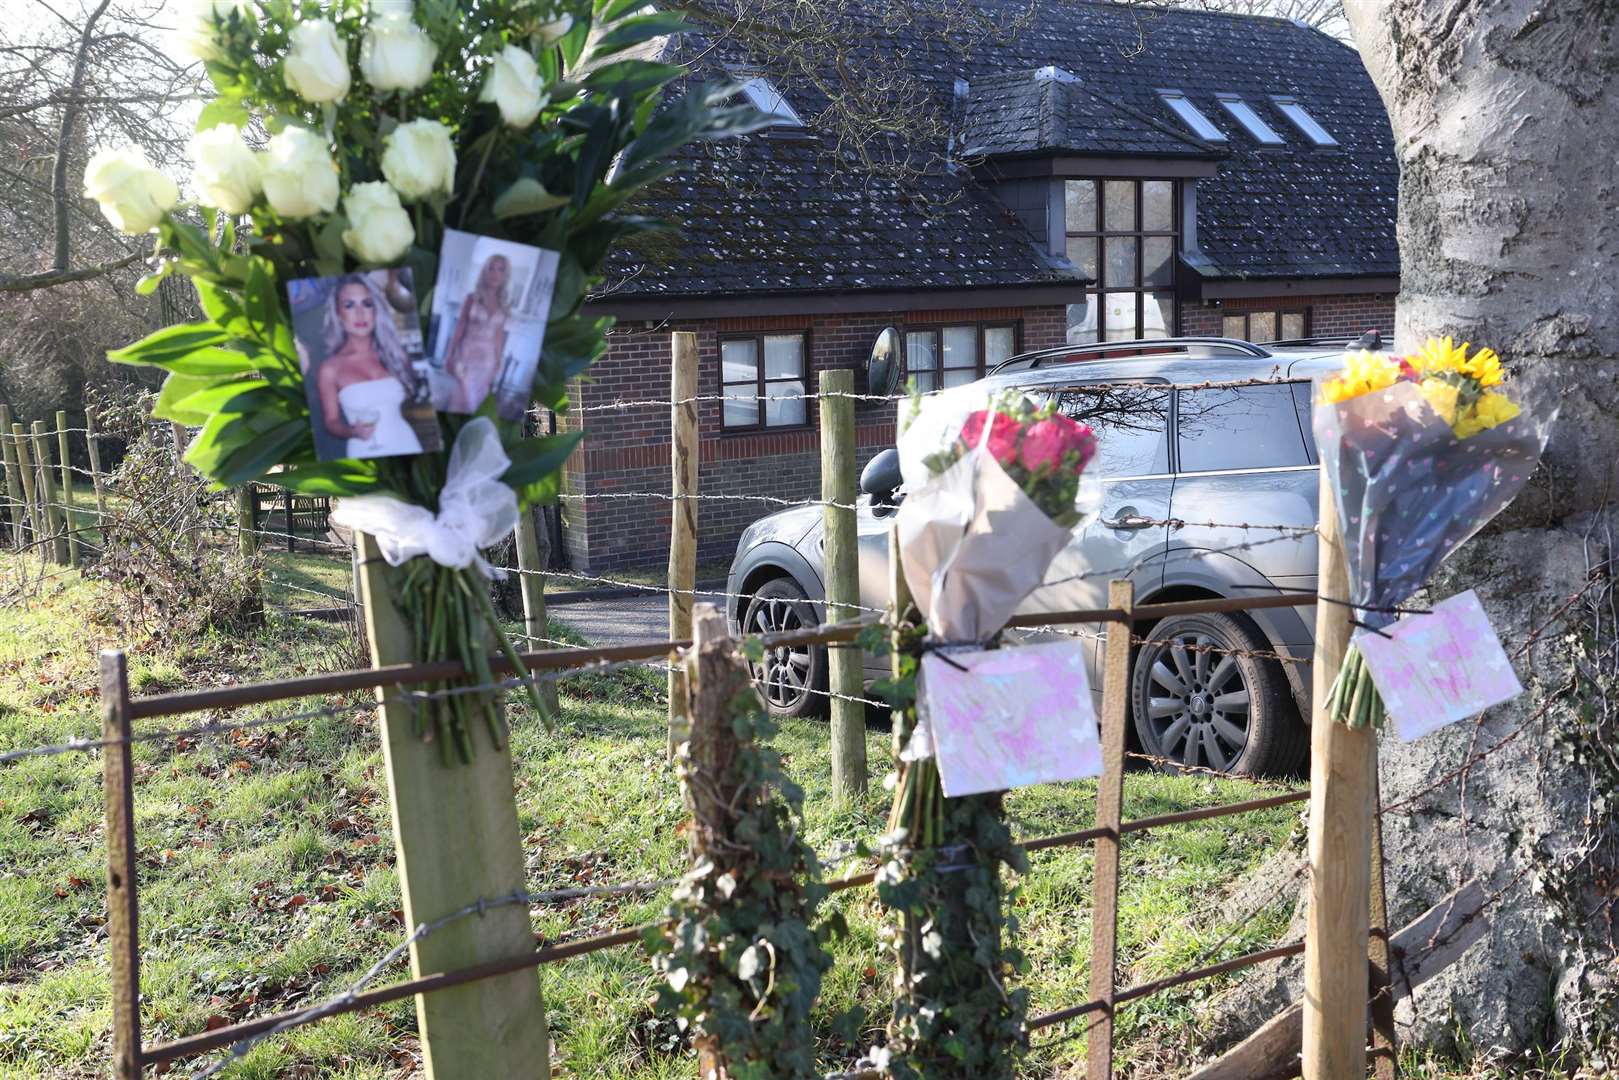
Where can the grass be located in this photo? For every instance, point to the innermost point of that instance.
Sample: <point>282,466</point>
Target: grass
<point>267,876</point>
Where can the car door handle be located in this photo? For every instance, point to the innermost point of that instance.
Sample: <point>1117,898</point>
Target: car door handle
<point>1129,519</point>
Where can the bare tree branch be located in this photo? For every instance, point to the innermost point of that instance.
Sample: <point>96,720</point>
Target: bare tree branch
<point>48,278</point>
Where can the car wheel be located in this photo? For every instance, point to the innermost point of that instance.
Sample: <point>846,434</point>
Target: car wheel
<point>1199,706</point>
<point>789,677</point>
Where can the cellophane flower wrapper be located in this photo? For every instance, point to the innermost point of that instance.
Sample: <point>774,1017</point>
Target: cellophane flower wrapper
<point>973,544</point>
<point>1408,491</point>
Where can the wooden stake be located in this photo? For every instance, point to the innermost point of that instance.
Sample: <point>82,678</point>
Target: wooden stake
<point>1343,771</point>
<point>1109,815</point>
<point>456,835</point>
<point>531,579</point>
<point>16,502</point>
<point>92,442</point>
<point>30,497</point>
<point>845,669</point>
<point>123,921</point>
<point>683,459</point>
<point>64,447</point>
<point>181,439</point>
<point>1385,1045</point>
<point>52,510</point>
<point>902,611</point>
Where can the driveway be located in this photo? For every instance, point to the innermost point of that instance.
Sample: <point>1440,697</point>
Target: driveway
<point>622,620</point>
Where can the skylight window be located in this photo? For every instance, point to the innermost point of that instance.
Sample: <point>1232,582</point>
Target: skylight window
<point>1250,120</point>
<point>1290,108</point>
<point>1192,116</point>
<point>763,95</point>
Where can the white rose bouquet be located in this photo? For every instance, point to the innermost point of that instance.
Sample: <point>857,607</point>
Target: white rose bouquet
<point>390,123</point>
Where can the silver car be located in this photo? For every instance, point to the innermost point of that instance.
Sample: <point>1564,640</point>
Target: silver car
<point>1209,491</point>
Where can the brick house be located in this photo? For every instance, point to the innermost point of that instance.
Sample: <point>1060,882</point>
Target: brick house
<point>1129,175</point>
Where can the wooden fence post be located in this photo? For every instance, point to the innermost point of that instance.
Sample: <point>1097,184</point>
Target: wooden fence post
<point>92,443</point>
<point>25,471</point>
<point>1343,771</point>
<point>123,922</point>
<point>683,460</point>
<point>47,493</point>
<point>1109,816</point>
<point>247,539</point>
<point>16,506</point>
<point>457,839</point>
<point>845,674</point>
<point>531,580</point>
<point>65,448</point>
<point>181,440</point>
<point>902,610</point>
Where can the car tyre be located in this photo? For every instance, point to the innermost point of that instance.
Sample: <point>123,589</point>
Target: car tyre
<point>792,679</point>
<point>1199,702</point>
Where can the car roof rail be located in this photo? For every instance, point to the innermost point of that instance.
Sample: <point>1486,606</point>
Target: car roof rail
<point>1031,360</point>
<point>1371,339</point>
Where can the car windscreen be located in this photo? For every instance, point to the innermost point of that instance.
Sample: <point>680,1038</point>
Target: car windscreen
<point>1239,427</point>
<point>1131,423</point>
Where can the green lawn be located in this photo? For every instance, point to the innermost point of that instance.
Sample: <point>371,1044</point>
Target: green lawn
<point>267,878</point>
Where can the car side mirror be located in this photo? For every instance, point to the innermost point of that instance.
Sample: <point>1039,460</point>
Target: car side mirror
<point>881,477</point>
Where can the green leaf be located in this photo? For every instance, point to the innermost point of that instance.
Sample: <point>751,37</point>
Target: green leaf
<point>222,111</point>
<point>161,347</point>
<point>527,196</point>
<point>629,78</point>
<point>211,361</point>
<point>330,478</point>
<point>536,468</point>
<point>235,398</point>
<point>178,387</point>
<point>220,305</point>
<point>636,29</point>
<point>252,461</point>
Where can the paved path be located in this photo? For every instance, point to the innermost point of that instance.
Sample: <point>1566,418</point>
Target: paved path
<point>622,621</point>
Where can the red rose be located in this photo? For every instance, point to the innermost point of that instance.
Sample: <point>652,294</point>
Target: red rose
<point>1003,435</point>
<point>1045,444</point>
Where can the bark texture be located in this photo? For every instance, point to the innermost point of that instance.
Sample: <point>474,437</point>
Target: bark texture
<point>1505,117</point>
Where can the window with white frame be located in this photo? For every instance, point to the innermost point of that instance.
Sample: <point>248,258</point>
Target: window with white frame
<point>1251,121</point>
<point>942,356</point>
<point>1191,116</point>
<point>1301,119</point>
<point>763,95</point>
<point>762,379</point>
<point>1123,235</point>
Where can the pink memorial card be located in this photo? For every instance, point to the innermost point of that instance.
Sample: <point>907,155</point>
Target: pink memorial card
<point>1436,669</point>
<point>1006,718</point>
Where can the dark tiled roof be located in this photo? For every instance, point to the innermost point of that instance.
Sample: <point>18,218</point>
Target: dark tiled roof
<point>1050,110</point>
<point>770,214</point>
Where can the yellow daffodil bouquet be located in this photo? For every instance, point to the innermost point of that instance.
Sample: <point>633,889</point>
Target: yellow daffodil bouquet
<point>396,213</point>
<point>1421,451</point>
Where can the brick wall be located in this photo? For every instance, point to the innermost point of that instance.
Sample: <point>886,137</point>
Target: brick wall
<point>1329,315</point>
<point>626,450</point>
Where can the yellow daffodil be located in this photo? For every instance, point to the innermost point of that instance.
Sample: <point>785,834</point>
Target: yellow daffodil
<point>1441,396</point>
<point>1364,372</point>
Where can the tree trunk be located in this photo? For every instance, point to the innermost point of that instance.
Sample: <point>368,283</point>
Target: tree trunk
<point>1505,118</point>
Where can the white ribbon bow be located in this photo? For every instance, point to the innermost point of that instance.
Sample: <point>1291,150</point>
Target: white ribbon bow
<point>475,509</point>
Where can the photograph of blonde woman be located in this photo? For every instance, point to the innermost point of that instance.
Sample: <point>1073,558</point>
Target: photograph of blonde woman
<point>491,300</point>
<point>478,346</point>
<point>359,341</point>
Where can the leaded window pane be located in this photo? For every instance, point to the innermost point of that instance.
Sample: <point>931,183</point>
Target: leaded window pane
<point>1119,210</point>
<point>1121,262</point>
<point>1079,196</point>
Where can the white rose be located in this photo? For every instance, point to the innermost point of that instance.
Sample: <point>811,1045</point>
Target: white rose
<point>396,54</point>
<point>197,37</point>
<point>418,158</point>
<point>133,195</point>
<point>228,175</point>
<point>317,65</point>
<point>514,85</point>
<point>379,229</point>
<point>300,177</point>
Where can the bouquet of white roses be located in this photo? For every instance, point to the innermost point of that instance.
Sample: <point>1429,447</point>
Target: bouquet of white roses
<point>416,153</point>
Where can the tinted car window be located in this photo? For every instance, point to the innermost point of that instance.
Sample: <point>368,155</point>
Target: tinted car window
<point>1131,424</point>
<point>1301,402</point>
<point>1245,427</point>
